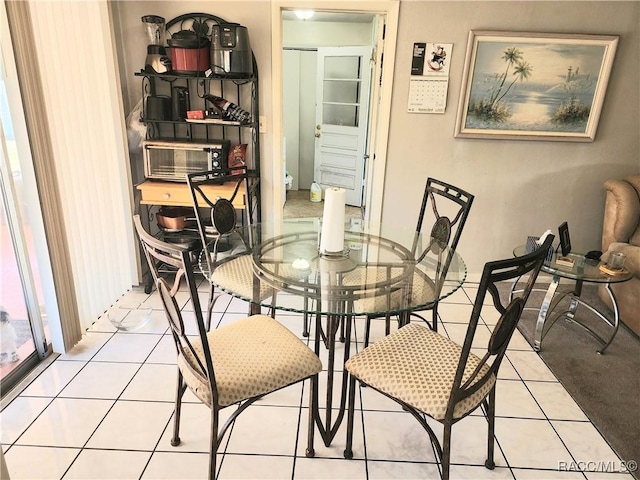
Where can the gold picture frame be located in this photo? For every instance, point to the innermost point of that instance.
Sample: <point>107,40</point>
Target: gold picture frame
<point>534,86</point>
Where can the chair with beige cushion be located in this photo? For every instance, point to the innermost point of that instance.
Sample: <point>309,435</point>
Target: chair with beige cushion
<point>233,365</point>
<point>444,210</point>
<point>621,232</point>
<point>428,374</point>
<point>228,263</point>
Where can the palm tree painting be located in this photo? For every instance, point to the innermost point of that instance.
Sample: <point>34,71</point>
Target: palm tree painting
<point>523,84</point>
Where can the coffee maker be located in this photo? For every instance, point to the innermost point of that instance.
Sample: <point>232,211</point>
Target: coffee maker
<point>157,60</point>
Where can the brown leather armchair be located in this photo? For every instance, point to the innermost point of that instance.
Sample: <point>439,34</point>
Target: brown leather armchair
<point>621,232</point>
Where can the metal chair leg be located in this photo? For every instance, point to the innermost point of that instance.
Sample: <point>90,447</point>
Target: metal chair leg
<point>348,451</point>
<point>434,318</point>
<point>210,306</point>
<point>313,383</point>
<point>180,389</point>
<point>491,419</point>
<point>446,451</point>
<point>367,331</point>
<point>214,441</point>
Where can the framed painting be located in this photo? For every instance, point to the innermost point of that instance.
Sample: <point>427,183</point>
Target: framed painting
<point>534,86</point>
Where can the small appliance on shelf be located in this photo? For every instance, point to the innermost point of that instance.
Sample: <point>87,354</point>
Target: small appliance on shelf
<point>157,60</point>
<point>172,161</point>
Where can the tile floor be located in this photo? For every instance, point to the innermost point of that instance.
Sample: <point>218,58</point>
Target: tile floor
<point>104,410</point>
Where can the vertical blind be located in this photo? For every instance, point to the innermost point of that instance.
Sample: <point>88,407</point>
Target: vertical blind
<point>82,100</point>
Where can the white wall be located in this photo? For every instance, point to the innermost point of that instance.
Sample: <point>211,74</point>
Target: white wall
<point>521,187</point>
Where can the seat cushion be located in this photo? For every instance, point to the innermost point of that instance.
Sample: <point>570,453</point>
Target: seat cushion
<point>236,275</point>
<point>418,366</point>
<point>251,357</point>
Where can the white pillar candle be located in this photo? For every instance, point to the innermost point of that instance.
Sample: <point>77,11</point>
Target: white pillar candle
<point>332,235</point>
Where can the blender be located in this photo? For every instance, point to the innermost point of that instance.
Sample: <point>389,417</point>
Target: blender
<point>157,60</point>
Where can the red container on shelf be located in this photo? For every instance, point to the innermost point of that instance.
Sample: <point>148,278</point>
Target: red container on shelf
<point>190,52</point>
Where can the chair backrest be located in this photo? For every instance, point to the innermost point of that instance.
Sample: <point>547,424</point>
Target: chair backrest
<point>216,217</point>
<point>447,208</point>
<point>494,272</point>
<point>159,252</point>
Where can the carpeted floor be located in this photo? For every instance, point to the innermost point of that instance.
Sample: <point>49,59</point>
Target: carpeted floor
<point>607,386</point>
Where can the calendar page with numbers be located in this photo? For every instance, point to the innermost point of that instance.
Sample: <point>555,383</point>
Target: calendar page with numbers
<point>428,95</point>
<point>429,80</point>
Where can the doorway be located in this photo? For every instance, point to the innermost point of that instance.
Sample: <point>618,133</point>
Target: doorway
<point>344,24</point>
<point>25,277</point>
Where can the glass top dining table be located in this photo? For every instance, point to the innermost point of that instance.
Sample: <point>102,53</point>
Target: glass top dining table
<point>382,270</point>
<point>376,260</point>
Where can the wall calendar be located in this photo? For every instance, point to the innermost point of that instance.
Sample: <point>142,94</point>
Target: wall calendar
<point>429,80</point>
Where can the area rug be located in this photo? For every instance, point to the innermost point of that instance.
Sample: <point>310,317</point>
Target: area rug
<point>607,386</point>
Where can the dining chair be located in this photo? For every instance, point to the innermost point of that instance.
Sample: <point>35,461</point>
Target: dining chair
<point>445,208</point>
<point>428,374</point>
<point>228,261</point>
<point>233,365</point>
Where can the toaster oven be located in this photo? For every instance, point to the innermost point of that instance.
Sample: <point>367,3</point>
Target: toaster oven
<point>172,161</point>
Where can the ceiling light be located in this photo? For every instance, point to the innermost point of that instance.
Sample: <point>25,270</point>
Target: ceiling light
<point>303,14</point>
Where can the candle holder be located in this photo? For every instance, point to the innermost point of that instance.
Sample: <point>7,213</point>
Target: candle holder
<point>342,254</point>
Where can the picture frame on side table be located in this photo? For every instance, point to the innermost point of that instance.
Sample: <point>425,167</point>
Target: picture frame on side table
<point>565,239</point>
<point>534,86</point>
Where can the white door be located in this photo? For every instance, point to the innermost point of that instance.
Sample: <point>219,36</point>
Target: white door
<point>342,110</point>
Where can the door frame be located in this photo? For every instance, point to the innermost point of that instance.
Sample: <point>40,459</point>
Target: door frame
<point>380,110</point>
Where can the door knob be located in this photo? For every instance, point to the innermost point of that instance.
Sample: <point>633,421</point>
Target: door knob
<point>317,134</point>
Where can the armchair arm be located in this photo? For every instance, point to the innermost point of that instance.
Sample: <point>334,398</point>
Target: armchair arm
<point>621,212</point>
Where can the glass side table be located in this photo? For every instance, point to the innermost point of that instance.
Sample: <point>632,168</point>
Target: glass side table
<point>583,270</point>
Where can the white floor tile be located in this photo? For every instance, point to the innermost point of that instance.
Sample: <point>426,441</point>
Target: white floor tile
<point>195,427</point>
<point>108,465</point>
<point>132,426</point>
<point>42,463</point>
<point>506,369</point>
<point>127,347</point>
<point>521,474</point>
<point>18,415</point>
<point>101,380</point>
<point>171,466</point>
<point>457,332</point>
<point>290,396</point>
<point>66,422</point>
<point>518,342</point>
<point>50,382</point>
<point>585,443</point>
<point>608,474</point>
<point>90,344</point>
<point>461,472</point>
<point>153,382</point>
<point>324,468</point>
<point>530,443</point>
<point>469,442</point>
<point>401,470</point>
<point>489,314</point>
<point>374,400</point>
<point>256,466</point>
<point>556,403</point>
<point>395,436</point>
<point>268,430</point>
<point>164,351</point>
<point>132,299</point>
<point>455,312</point>
<point>530,366</point>
<point>514,400</point>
